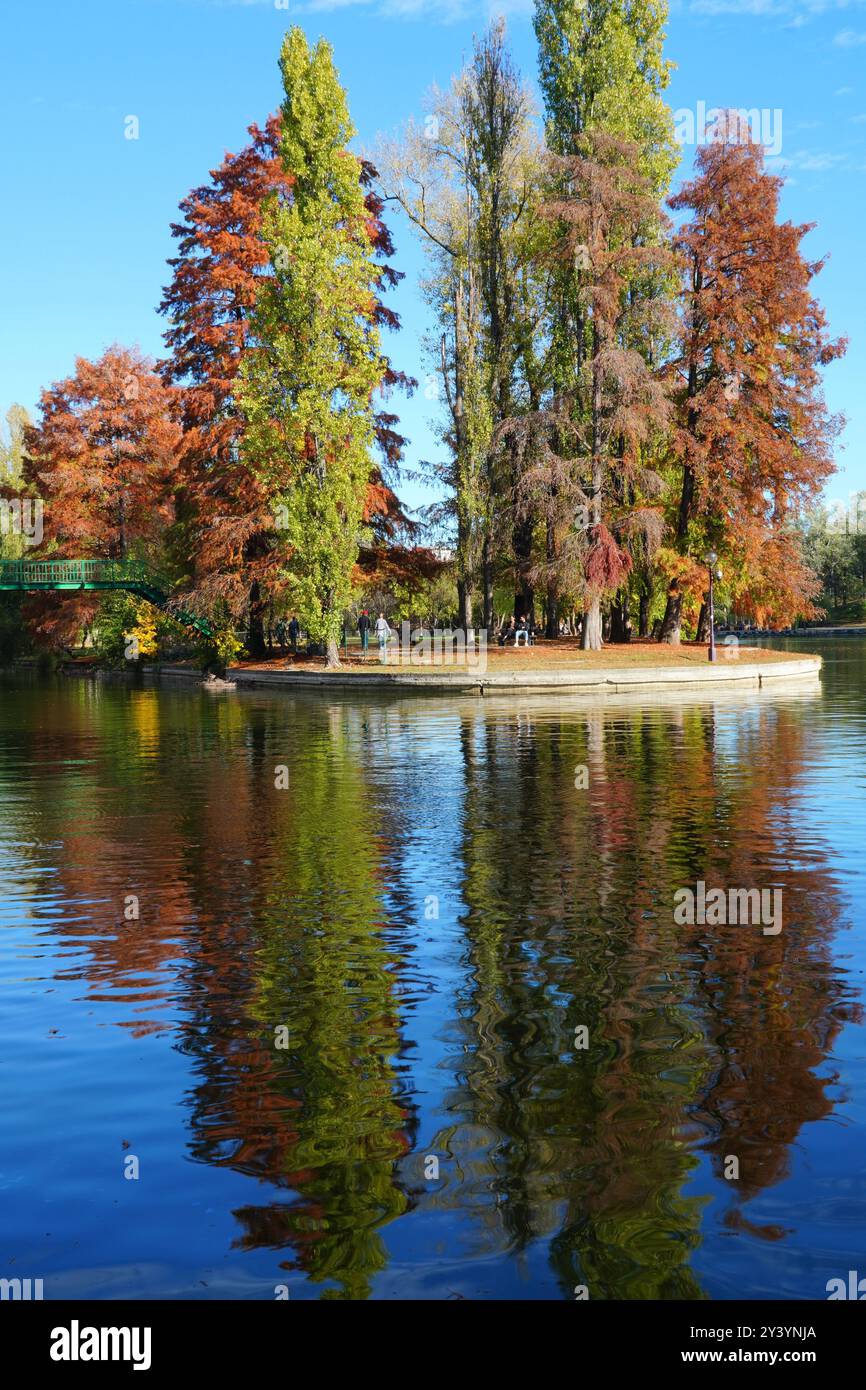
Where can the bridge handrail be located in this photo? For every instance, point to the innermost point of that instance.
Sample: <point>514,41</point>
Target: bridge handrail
<point>133,575</point>
<point>78,572</point>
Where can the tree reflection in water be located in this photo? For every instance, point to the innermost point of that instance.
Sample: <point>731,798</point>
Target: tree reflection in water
<point>454,1035</point>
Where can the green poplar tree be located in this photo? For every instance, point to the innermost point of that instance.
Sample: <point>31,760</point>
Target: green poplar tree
<point>13,456</point>
<point>307,385</point>
<point>601,67</point>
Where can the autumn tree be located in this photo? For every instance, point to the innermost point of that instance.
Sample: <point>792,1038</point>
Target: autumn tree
<point>228,529</point>
<point>103,456</point>
<point>603,77</point>
<point>468,182</point>
<point>13,458</point>
<point>584,454</point>
<point>753,438</point>
<point>308,379</point>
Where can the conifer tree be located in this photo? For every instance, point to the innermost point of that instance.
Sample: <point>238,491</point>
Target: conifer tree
<point>603,76</point>
<point>753,442</point>
<point>226,521</point>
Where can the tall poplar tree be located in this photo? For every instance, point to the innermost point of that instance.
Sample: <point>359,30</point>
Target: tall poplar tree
<point>13,459</point>
<point>603,76</point>
<point>307,385</point>
<point>227,521</point>
<point>601,68</point>
<point>469,183</point>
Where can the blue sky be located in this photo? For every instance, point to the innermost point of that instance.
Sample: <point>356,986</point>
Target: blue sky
<point>85,231</point>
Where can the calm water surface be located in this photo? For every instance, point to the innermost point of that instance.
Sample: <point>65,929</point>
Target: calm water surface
<point>423,917</point>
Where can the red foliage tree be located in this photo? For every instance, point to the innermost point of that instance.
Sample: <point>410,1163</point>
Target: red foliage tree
<point>608,237</point>
<point>210,299</point>
<point>753,437</point>
<point>103,457</point>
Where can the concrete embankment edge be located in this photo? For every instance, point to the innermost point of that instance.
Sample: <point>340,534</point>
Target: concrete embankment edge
<point>601,681</point>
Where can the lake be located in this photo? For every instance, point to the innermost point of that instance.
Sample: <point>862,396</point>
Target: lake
<point>384,997</point>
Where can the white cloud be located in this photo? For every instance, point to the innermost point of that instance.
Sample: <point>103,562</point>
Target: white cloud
<point>814,161</point>
<point>756,7</point>
<point>445,11</point>
<point>793,13</point>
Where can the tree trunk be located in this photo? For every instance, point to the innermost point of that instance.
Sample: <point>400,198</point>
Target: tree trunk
<point>551,604</point>
<point>687,499</point>
<point>672,621</point>
<point>552,626</point>
<point>703,632</point>
<point>487,583</point>
<point>620,625</point>
<point>524,595</point>
<point>591,640</point>
<point>333,657</point>
<point>464,605</point>
<point>256,637</point>
<point>643,615</point>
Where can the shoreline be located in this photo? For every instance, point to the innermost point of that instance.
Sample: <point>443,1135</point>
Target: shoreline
<point>611,680</point>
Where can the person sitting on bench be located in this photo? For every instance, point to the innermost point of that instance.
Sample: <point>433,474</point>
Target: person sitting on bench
<point>522,631</point>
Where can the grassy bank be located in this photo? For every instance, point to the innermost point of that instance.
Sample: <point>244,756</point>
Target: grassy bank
<point>561,656</point>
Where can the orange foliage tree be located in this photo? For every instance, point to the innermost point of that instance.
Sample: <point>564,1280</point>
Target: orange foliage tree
<point>228,523</point>
<point>103,456</point>
<point>753,437</point>
<point>586,452</point>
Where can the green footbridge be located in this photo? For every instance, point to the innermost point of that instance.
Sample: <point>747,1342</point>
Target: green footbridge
<point>105,575</point>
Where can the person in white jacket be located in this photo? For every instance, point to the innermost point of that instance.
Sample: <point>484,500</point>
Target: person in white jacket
<point>383,632</point>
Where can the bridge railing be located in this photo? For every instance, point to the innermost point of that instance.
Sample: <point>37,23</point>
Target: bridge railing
<point>26,572</point>
<point>132,575</point>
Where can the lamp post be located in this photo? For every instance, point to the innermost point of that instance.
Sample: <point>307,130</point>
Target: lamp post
<point>714,574</point>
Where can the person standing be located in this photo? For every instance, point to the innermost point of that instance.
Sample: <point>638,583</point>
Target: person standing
<point>294,633</point>
<point>383,632</point>
<point>364,631</point>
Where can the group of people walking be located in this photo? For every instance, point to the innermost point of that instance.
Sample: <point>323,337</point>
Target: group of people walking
<point>515,632</point>
<point>289,634</point>
<point>382,630</point>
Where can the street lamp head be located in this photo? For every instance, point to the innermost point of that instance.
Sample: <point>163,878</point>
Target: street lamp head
<point>712,558</point>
